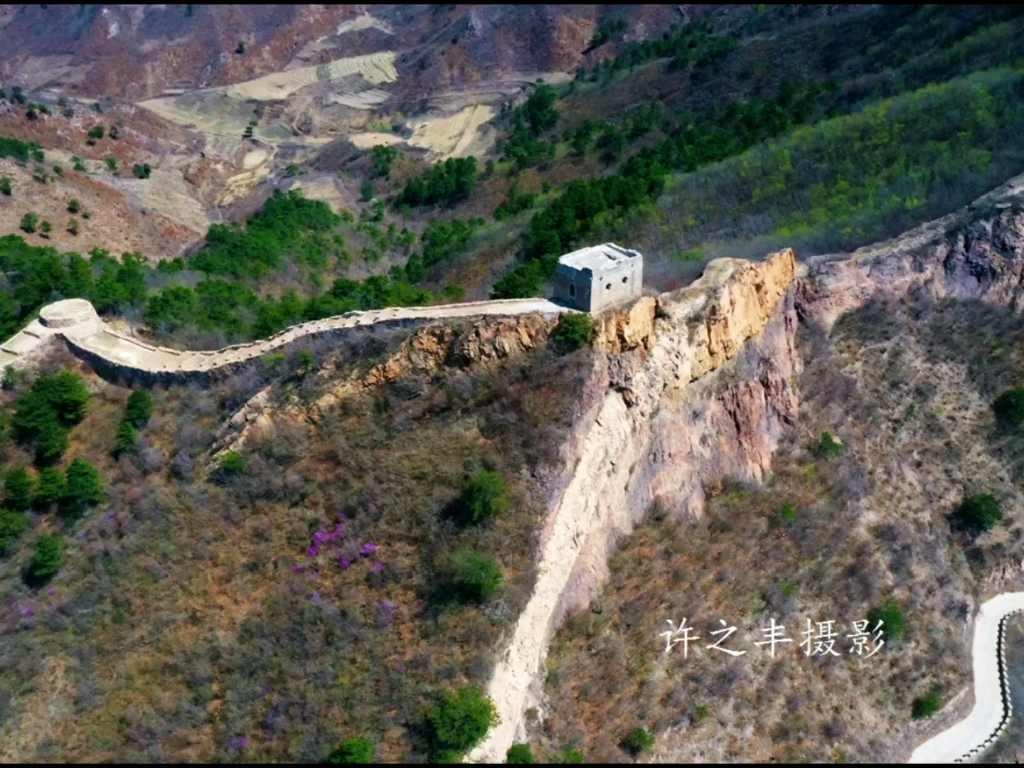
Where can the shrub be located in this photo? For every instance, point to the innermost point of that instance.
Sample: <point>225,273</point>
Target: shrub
<point>83,488</point>
<point>1009,406</point>
<point>367,192</point>
<point>45,229</point>
<point>74,206</point>
<point>17,489</point>
<point>926,706</point>
<point>232,463</point>
<point>141,171</point>
<point>139,408</point>
<point>462,719</point>
<point>28,222</point>
<point>73,226</point>
<point>573,756</point>
<point>476,575</point>
<point>829,446</point>
<point>49,487</point>
<point>978,513</point>
<point>305,360</point>
<point>5,186</point>
<point>893,624</point>
<point>787,513</point>
<point>12,525</point>
<point>638,742</point>
<point>357,751</point>
<point>112,164</point>
<point>574,330</point>
<point>272,362</point>
<point>46,560</point>
<point>520,754</point>
<point>485,496</point>
<point>96,132</point>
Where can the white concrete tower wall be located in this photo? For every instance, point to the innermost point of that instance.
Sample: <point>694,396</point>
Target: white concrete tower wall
<point>599,277</point>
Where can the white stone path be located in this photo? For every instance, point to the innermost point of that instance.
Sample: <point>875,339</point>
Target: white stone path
<point>77,323</point>
<point>992,705</point>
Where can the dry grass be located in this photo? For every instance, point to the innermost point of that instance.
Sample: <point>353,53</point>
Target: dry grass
<point>187,627</point>
<point>907,388</point>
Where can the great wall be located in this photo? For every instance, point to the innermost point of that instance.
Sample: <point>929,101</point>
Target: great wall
<point>75,323</point>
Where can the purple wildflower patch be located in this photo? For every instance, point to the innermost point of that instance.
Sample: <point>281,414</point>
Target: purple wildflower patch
<point>238,744</point>
<point>368,548</point>
<point>345,563</point>
<point>378,567</point>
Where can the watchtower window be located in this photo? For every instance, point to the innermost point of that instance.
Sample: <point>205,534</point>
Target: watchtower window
<point>624,280</point>
<point>572,290</point>
<point>608,287</point>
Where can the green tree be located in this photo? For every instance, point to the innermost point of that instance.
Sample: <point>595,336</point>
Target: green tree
<point>46,560</point>
<point>638,742</point>
<point>18,490</point>
<point>366,192</point>
<point>63,395</point>
<point>476,576</point>
<point>139,408</point>
<point>355,751</point>
<point>83,488</point>
<point>124,439</point>
<point>112,164</point>
<point>382,157</point>
<point>1009,406</point>
<point>96,132</point>
<point>926,705</point>
<point>5,186</point>
<point>141,170</point>
<point>28,222</point>
<point>74,206</point>
<point>485,496</point>
<point>73,226</point>
<point>520,754</point>
<point>12,525</point>
<point>463,718</point>
<point>978,513</point>
<point>49,487</point>
<point>48,410</point>
<point>51,442</point>
<point>45,229</point>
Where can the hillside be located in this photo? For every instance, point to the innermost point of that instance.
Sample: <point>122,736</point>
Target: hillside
<point>328,477</point>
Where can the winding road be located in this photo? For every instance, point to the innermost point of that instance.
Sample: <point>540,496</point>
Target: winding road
<point>992,706</point>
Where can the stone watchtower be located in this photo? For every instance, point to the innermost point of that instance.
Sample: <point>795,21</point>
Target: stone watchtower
<point>598,277</point>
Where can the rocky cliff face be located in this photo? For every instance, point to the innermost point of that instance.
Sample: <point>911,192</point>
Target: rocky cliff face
<point>696,389</point>
<point>975,253</point>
